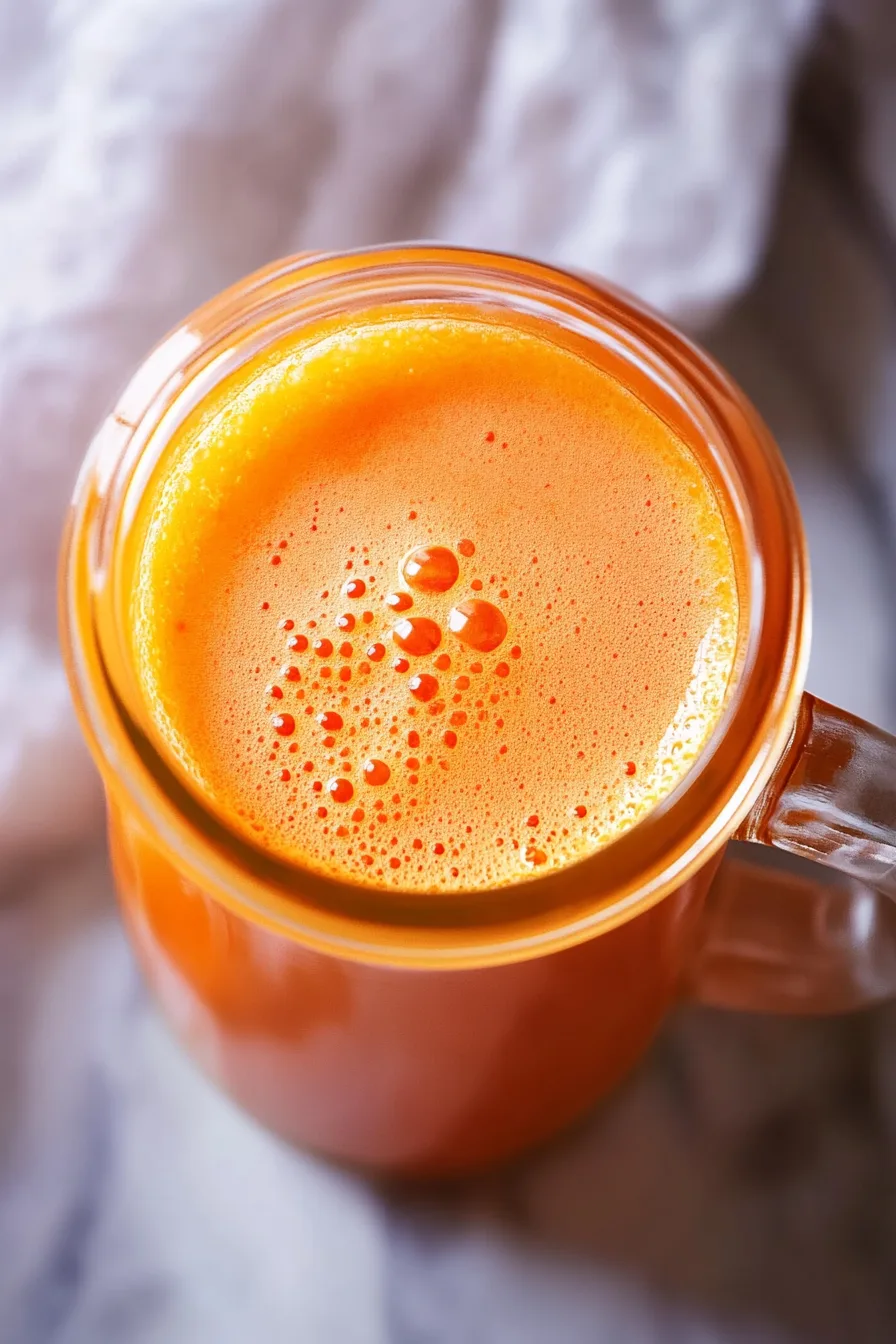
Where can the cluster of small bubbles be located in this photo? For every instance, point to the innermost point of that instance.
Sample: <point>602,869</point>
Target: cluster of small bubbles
<point>430,570</point>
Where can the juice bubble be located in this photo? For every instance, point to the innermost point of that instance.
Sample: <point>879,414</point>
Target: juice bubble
<point>330,721</point>
<point>376,653</point>
<point>478,624</point>
<point>286,624</point>
<point>430,569</point>
<point>355,588</point>
<point>423,686</point>
<point>400,664</point>
<point>297,642</point>
<point>466,548</point>
<point>417,635</point>
<point>534,856</point>
<point>290,673</point>
<point>375,772</point>
<point>323,648</point>
<point>345,622</point>
<point>340,790</point>
<point>284,724</point>
<point>399,601</point>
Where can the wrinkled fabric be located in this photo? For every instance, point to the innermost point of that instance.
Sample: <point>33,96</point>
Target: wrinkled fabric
<point>152,151</point>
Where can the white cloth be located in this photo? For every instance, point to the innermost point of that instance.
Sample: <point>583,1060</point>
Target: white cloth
<point>151,151</point>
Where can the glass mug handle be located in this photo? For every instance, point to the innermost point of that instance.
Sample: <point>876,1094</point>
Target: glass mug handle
<point>774,940</point>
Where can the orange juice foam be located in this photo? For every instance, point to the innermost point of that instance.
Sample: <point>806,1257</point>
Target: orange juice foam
<point>431,601</point>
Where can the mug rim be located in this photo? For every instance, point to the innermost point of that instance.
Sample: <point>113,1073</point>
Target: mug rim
<point>539,913</point>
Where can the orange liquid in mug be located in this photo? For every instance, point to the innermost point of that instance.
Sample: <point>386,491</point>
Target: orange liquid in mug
<point>430,601</point>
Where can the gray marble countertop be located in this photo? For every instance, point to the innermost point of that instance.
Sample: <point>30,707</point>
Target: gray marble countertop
<point>739,1187</point>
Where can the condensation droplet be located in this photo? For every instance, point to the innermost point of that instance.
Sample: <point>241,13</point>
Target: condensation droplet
<point>375,772</point>
<point>423,686</point>
<point>478,624</point>
<point>430,569</point>
<point>417,635</point>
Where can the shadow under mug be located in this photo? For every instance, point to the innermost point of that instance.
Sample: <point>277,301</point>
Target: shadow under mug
<point>436,1036</point>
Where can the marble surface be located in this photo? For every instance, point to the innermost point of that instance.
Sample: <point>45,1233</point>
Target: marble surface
<point>740,1187</point>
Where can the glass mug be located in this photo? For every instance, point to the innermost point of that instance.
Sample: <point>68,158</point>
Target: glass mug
<point>438,1035</point>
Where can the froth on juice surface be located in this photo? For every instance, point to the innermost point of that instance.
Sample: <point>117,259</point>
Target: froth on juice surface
<point>431,601</point>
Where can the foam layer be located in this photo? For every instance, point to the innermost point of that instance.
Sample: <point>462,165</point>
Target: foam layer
<point>282,518</point>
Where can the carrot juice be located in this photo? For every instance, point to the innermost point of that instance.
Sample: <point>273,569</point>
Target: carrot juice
<point>423,606</point>
<point>431,602</point>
